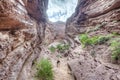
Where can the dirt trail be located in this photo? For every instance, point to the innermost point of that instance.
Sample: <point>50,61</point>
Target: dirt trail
<point>60,64</point>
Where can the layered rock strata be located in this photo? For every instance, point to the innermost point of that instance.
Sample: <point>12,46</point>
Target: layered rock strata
<point>22,25</point>
<point>90,13</point>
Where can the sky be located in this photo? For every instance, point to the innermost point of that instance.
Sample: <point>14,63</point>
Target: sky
<point>60,10</point>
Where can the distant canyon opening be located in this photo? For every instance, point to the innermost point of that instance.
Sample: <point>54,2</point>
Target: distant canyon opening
<point>60,10</point>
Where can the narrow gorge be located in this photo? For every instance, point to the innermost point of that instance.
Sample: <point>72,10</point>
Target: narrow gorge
<point>83,45</point>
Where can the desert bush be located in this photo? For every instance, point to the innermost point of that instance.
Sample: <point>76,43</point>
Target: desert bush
<point>115,47</point>
<point>86,40</point>
<point>44,70</point>
<point>60,48</point>
<point>52,49</point>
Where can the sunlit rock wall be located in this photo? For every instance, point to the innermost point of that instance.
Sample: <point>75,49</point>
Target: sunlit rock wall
<point>94,17</point>
<point>90,13</point>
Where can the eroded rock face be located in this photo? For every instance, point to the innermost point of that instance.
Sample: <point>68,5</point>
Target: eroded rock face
<point>22,24</point>
<point>90,13</point>
<point>94,63</point>
<point>37,9</point>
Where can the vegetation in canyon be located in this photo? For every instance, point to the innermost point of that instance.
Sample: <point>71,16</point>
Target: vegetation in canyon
<point>44,70</point>
<point>115,47</point>
<point>60,48</point>
<point>86,40</point>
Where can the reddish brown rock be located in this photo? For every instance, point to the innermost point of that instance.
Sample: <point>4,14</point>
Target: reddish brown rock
<point>37,9</point>
<point>95,63</point>
<point>92,65</point>
<point>90,13</point>
<point>20,36</point>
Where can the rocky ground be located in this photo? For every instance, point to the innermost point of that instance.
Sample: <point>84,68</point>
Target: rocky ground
<point>78,63</point>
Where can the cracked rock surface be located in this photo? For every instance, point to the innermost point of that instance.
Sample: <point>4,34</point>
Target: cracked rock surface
<point>19,37</point>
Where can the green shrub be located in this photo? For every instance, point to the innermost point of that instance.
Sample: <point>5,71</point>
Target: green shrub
<point>86,40</point>
<point>52,49</point>
<point>103,39</point>
<point>115,34</point>
<point>60,48</point>
<point>94,40</point>
<point>115,47</point>
<point>44,70</point>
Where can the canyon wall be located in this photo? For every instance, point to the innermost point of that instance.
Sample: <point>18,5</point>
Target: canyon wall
<point>94,18</point>
<point>91,13</point>
<point>22,25</point>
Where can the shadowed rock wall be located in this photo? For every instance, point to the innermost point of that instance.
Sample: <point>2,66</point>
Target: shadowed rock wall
<point>22,25</point>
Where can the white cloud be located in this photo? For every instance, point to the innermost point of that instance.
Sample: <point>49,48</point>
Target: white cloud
<point>60,10</point>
